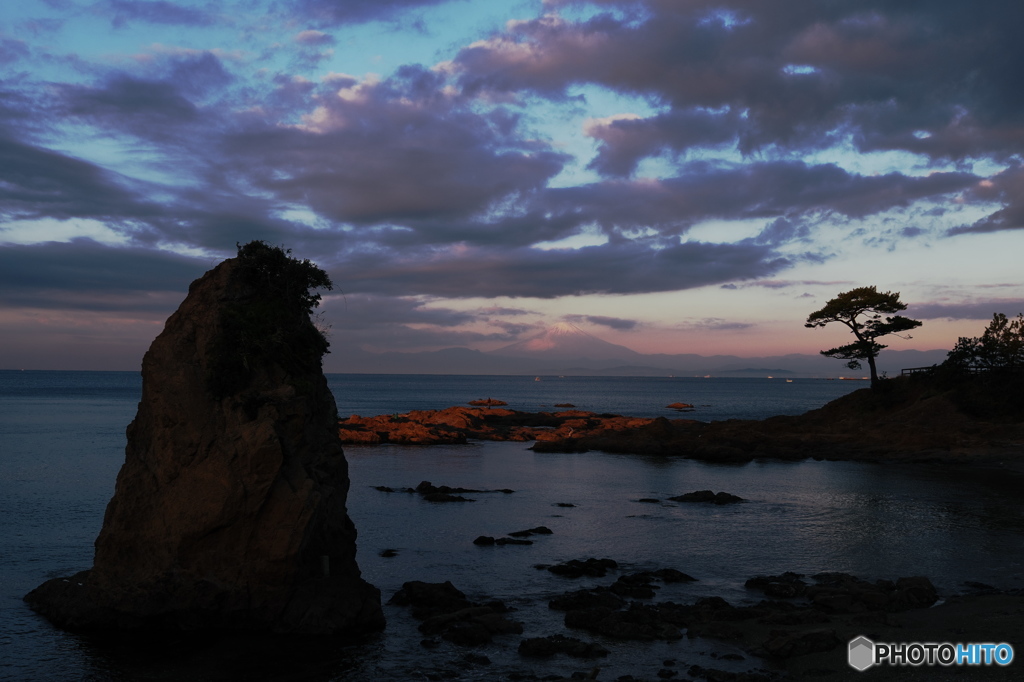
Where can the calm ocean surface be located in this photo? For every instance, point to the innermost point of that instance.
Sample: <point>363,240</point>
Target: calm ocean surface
<point>62,443</point>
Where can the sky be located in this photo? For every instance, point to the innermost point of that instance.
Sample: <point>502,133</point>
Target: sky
<point>676,176</point>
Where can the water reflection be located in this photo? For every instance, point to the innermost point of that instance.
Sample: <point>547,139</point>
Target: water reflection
<point>878,521</point>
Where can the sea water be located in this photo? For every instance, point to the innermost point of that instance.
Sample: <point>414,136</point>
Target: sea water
<point>712,398</point>
<point>62,442</point>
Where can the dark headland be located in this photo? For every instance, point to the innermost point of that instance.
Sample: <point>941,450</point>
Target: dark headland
<point>930,417</point>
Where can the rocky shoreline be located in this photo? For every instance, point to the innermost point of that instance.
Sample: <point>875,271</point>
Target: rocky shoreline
<point>910,421</point>
<point>788,626</point>
<point>792,627</point>
<point>458,425</point>
<point>798,630</point>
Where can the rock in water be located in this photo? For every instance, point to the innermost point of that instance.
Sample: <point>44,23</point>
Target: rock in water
<point>229,511</point>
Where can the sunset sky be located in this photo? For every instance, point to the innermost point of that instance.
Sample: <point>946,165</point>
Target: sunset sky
<point>676,176</point>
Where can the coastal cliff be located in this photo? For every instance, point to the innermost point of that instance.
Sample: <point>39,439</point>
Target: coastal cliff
<point>229,511</point>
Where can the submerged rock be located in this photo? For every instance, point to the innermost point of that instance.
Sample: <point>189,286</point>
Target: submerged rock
<point>708,496</point>
<point>545,647</point>
<point>576,568</point>
<point>229,511</point>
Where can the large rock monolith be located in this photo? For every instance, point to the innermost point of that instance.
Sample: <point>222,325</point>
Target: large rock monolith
<point>229,511</point>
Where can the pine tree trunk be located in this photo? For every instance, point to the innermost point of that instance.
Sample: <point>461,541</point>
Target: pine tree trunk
<point>874,372</point>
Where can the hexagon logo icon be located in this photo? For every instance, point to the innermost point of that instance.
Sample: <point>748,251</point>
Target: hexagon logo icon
<point>861,653</point>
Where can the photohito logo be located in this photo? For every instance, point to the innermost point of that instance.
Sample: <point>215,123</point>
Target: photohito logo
<point>863,653</point>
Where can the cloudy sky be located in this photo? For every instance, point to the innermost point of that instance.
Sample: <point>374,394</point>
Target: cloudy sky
<point>677,176</point>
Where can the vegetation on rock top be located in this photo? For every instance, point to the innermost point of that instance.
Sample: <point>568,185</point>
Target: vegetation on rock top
<point>269,324</point>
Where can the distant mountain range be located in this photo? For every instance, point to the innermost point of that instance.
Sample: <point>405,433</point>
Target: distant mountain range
<point>564,349</point>
<point>567,342</point>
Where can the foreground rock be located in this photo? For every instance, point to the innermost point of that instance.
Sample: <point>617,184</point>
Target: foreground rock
<point>809,619</point>
<point>229,511</point>
<point>446,611</point>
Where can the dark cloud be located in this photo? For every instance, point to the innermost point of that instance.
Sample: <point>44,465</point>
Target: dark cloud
<point>395,336</point>
<point>84,274</point>
<point>1006,187</point>
<point>703,191</point>
<point>506,312</point>
<point>124,12</point>
<point>405,323</point>
<point>938,78</point>
<point>361,311</point>
<point>40,183</point>
<point>12,50</point>
<point>781,230</point>
<point>412,166</point>
<point>613,268</point>
<point>400,151</point>
<point>791,194</point>
<point>611,322</point>
<point>969,310</point>
<point>626,141</point>
<point>134,102</point>
<point>162,107</point>
<point>337,12</point>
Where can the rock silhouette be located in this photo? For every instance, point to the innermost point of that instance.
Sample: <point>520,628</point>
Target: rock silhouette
<point>229,511</point>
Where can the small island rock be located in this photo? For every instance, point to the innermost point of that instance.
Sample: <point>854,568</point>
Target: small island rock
<point>229,511</point>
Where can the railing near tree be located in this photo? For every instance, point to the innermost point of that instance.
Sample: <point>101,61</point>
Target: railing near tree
<point>918,370</point>
<point>963,370</point>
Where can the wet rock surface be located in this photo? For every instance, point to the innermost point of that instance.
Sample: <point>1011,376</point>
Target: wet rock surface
<point>229,511</point>
<point>794,637</point>
<point>543,647</point>
<point>576,568</point>
<point>440,493</point>
<point>446,612</point>
<point>514,538</point>
<point>456,425</point>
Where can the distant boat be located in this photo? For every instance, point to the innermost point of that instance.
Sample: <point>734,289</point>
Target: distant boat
<point>789,381</point>
<point>536,378</point>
